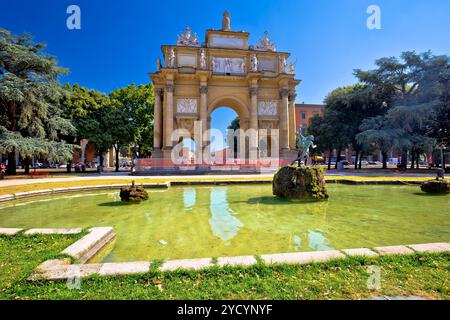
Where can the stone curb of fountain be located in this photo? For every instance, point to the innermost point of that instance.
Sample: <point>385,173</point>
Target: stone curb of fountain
<point>29,194</point>
<point>53,231</point>
<point>9,231</point>
<point>90,244</point>
<point>60,269</point>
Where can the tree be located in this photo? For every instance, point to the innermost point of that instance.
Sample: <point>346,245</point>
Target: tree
<point>416,88</point>
<point>377,133</point>
<point>234,125</point>
<point>351,105</point>
<point>138,102</point>
<point>30,93</point>
<point>83,106</point>
<point>329,131</point>
<point>118,128</point>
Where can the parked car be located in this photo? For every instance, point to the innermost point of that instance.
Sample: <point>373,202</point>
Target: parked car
<point>62,166</point>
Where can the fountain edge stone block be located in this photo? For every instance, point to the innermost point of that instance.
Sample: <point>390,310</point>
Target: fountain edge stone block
<point>90,244</point>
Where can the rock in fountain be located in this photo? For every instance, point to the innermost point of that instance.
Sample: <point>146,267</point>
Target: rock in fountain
<point>297,181</point>
<point>300,182</point>
<point>133,193</point>
<point>440,185</point>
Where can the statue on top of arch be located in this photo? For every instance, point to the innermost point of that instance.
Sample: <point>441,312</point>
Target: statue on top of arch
<point>266,44</point>
<point>187,39</point>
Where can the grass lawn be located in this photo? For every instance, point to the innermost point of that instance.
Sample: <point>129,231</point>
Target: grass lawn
<point>424,275</point>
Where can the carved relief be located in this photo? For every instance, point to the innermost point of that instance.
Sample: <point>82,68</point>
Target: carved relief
<point>186,106</point>
<point>268,124</point>
<point>228,65</point>
<point>185,123</point>
<point>267,108</point>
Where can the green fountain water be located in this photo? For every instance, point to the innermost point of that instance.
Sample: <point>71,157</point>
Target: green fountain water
<point>204,221</point>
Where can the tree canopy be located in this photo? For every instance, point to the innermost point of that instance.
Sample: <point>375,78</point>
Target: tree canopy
<point>31,121</point>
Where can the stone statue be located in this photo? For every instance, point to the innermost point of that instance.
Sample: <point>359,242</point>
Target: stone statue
<point>283,64</point>
<point>292,66</point>
<point>187,39</point>
<point>226,21</point>
<point>171,56</point>
<point>158,64</point>
<point>254,61</point>
<point>303,145</point>
<point>202,59</point>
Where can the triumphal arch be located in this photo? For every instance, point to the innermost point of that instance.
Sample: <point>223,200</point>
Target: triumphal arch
<point>194,78</point>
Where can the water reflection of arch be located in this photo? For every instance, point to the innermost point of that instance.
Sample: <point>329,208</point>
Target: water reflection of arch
<point>223,222</point>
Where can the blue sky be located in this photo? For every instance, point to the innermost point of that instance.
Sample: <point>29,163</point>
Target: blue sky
<point>120,40</point>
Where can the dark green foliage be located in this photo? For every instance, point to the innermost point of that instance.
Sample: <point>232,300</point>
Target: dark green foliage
<point>31,120</point>
<point>297,182</point>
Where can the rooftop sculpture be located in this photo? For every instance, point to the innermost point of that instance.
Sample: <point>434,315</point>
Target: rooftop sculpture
<point>187,39</point>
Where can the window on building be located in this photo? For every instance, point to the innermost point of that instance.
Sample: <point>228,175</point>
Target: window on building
<point>303,115</point>
<point>315,113</point>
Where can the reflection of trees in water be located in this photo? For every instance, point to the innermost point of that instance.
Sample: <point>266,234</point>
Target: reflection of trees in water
<point>223,223</point>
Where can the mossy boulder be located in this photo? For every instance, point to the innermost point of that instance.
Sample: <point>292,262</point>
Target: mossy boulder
<point>133,193</point>
<point>299,182</point>
<point>435,186</point>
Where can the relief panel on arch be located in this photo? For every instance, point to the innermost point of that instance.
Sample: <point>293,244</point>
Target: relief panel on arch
<point>187,106</point>
<point>267,108</point>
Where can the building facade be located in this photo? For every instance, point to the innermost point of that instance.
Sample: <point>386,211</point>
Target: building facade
<point>304,112</point>
<point>193,79</point>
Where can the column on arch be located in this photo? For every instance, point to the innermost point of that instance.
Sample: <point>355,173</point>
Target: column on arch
<point>168,115</point>
<point>157,121</point>
<point>292,124</point>
<point>284,119</point>
<point>254,121</point>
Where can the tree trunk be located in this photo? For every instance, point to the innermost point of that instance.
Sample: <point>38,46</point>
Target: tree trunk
<point>356,159</point>
<point>329,159</point>
<point>69,167</point>
<point>101,162</point>
<point>11,169</point>
<point>117,157</point>
<point>338,158</point>
<point>413,155</point>
<point>27,161</point>
<point>360,160</point>
<point>384,157</point>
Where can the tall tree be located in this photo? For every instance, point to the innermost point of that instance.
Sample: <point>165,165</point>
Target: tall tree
<point>138,102</point>
<point>351,105</point>
<point>416,88</point>
<point>330,132</point>
<point>30,95</point>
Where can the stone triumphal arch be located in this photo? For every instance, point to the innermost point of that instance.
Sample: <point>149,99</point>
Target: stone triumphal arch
<point>193,79</point>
